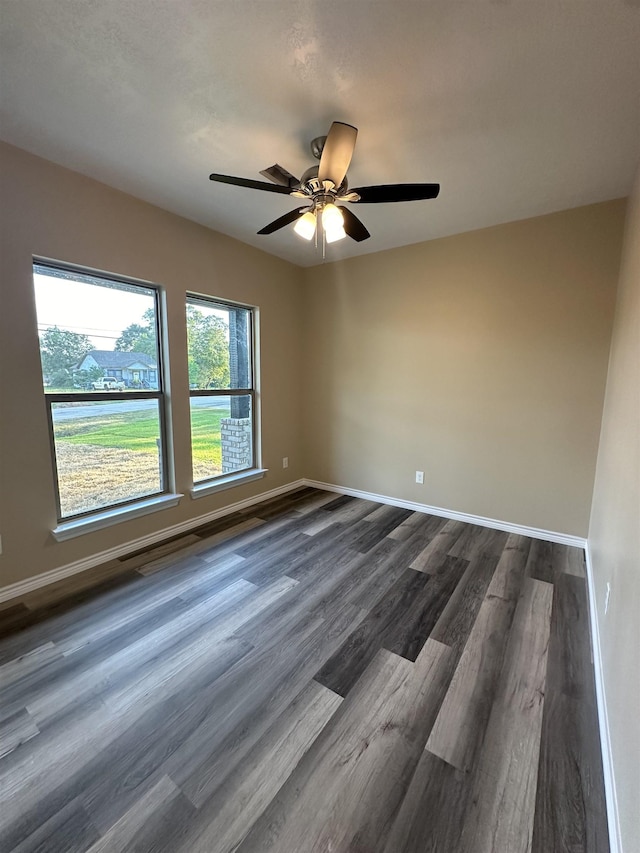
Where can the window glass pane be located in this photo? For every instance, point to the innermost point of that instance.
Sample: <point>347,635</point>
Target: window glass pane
<point>218,339</point>
<point>95,335</point>
<point>106,452</point>
<point>221,435</point>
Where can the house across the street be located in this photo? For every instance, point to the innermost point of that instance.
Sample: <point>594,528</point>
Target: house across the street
<point>135,369</point>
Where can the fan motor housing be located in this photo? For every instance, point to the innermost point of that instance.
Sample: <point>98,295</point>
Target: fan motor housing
<point>310,184</point>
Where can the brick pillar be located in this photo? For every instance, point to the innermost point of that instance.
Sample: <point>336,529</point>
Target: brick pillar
<point>236,444</point>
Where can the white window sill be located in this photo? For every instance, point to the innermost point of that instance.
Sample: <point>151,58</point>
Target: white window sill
<point>115,515</point>
<point>200,490</point>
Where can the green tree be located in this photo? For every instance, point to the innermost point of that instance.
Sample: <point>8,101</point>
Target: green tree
<point>84,378</point>
<point>208,346</point>
<point>139,337</point>
<point>60,352</point>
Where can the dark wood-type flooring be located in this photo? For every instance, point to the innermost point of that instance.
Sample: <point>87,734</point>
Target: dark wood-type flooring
<point>317,673</point>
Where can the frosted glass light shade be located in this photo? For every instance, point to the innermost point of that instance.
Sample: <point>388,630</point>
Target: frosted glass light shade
<point>332,218</point>
<point>306,225</point>
<point>334,233</point>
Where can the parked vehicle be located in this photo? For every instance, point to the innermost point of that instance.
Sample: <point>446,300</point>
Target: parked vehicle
<point>108,383</point>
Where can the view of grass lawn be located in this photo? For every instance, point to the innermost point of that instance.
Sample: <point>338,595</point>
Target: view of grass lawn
<point>111,457</point>
<point>137,431</point>
<point>205,435</point>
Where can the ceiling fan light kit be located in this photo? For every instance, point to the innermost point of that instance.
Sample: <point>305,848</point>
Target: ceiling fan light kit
<point>324,185</point>
<point>305,227</point>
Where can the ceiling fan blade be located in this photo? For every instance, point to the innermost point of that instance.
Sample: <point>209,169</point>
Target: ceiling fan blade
<point>283,220</point>
<point>279,175</point>
<point>337,152</point>
<point>352,225</point>
<point>396,192</point>
<point>247,182</point>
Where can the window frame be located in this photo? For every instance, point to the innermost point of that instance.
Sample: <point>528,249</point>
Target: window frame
<point>158,394</point>
<point>253,471</point>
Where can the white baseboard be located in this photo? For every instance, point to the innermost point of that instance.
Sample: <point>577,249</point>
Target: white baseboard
<point>23,587</point>
<point>615,839</point>
<point>20,588</point>
<point>495,524</point>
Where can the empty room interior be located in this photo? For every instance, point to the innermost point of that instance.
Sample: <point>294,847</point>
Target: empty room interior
<point>320,426</point>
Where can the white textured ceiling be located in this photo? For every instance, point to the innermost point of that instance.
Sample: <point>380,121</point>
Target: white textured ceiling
<point>517,107</point>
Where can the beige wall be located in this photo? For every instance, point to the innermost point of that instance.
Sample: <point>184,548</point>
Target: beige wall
<point>480,359</point>
<point>54,213</point>
<point>614,533</point>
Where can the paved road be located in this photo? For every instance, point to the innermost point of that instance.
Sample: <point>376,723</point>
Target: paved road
<point>97,410</point>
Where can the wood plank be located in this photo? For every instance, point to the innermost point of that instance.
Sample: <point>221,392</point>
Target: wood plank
<point>570,809</point>
<point>154,553</point>
<point>125,665</point>
<point>408,526</point>
<point>347,510</point>
<point>501,810</point>
<point>415,624</point>
<point>389,516</point>
<point>313,600</point>
<point>200,547</point>
<point>69,830</point>
<point>24,665</point>
<point>157,821</point>
<point>226,817</point>
<point>541,564</point>
<point>316,500</point>
<point>346,790</point>
<point>70,615</point>
<point>570,561</point>
<point>457,619</point>
<point>440,543</point>
<point>111,760</point>
<point>342,501</point>
<point>255,530</point>
<point>372,575</point>
<point>319,524</point>
<point>36,627</point>
<point>251,695</point>
<point>432,813</point>
<point>15,730</point>
<point>460,726</point>
<point>386,512</point>
<point>87,659</point>
<point>12,617</point>
<point>178,666</point>
<point>380,529</point>
<point>476,540</point>
<point>287,559</point>
<point>343,669</point>
<point>133,763</point>
<point>78,587</point>
<point>570,806</point>
<point>570,666</point>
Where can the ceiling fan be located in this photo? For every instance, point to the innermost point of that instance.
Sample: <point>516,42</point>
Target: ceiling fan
<point>324,185</point>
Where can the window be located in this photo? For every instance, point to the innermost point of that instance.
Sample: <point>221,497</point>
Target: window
<point>222,388</point>
<point>102,375</point>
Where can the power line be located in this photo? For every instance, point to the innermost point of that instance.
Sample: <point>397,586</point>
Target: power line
<point>44,324</point>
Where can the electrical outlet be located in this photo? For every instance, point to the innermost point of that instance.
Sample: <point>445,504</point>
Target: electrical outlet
<point>607,597</point>
<point>420,477</point>
<point>285,461</point>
